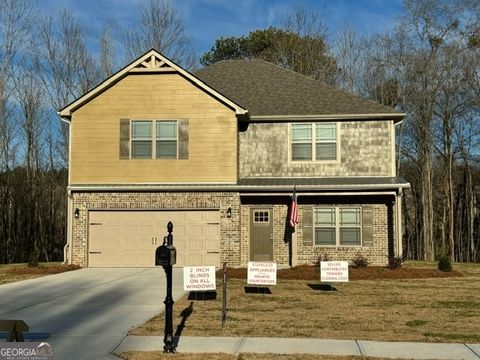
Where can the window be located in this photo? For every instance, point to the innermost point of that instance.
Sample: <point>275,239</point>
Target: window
<point>326,141</point>
<point>143,145</point>
<point>337,226</point>
<point>166,140</point>
<point>350,226</point>
<point>260,216</point>
<point>141,139</point>
<point>325,227</point>
<point>305,147</point>
<point>301,142</point>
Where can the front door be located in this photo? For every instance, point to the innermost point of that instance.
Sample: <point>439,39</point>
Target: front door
<point>261,234</point>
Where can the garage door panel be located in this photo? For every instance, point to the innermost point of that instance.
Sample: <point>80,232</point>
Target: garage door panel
<point>212,231</point>
<point>127,238</point>
<point>197,245</point>
<point>196,259</point>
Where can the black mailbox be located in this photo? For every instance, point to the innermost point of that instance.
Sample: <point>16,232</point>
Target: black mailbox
<point>165,255</point>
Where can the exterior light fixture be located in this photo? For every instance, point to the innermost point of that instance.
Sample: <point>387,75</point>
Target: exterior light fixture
<point>229,212</point>
<point>76,214</point>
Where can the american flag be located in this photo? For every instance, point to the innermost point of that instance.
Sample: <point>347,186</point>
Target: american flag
<point>293,218</point>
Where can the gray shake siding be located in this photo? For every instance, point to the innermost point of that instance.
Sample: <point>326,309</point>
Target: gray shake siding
<point>365,150</point>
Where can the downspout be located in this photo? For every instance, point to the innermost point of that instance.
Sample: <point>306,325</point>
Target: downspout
<point>398,197</point>
<point>398,201</point>
<point>69,230</point>
<point>68,246</point>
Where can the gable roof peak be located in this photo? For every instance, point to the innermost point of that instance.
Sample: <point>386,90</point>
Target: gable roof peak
<point>150,62</point>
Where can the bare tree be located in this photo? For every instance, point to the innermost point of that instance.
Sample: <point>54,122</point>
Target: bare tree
<point>302,46</point>
<point>107,51</point>
<point>30,98</point>
<point>16,22</point>
<point>160,27</point>
<point>66,68</point>
<point>350,57</point>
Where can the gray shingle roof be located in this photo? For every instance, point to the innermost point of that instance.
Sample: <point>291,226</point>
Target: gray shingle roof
<point>267,89</point>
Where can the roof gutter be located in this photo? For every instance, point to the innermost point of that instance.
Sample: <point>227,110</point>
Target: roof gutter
<point>397,117</point>
<point>243,188</point>
<point>357,193</point>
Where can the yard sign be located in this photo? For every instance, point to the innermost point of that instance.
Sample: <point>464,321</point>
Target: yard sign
<point>262,273</point>
<point>199,278</point>
<point>334,271</point>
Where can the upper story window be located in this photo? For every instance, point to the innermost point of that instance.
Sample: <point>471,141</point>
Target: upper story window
<point>167,136</point>
<point>141,140</point>
<point>144,145</point>
<point>313,142</point>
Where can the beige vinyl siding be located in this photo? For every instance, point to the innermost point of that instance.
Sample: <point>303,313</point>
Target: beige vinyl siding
<point>95,133</point>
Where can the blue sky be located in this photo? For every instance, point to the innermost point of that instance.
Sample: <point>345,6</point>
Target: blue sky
<point>206,20</point>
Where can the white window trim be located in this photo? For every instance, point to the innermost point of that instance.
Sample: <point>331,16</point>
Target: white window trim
<point>337,226</point>
<point>314,144</point>
<point>153,139</point>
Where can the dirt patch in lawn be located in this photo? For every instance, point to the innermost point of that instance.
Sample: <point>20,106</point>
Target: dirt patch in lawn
<point>308,272</point>
<point>156,355</point>
<point>16,272</point>
<point>433,309</point>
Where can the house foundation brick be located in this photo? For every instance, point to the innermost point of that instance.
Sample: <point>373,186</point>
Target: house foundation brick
<point>229,227</point>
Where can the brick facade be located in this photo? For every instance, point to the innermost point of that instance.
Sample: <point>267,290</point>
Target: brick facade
<point>229,227</point>
<point>235,231</point>
<point>377,254</point>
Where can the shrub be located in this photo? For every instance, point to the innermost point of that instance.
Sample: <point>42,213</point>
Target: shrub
<point>33,258</point>
<point>360,261</point>
<point>320,258</point>
<point>444,263</point>
<point>395,262</point>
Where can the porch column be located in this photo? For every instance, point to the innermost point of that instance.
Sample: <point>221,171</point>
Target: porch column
<point>398,219</point>
<point>294,259</point>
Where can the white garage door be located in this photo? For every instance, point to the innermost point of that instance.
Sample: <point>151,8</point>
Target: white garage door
<point>130,238</point>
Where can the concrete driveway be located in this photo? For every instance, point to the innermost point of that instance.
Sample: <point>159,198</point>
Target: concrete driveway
<point>89,311</point>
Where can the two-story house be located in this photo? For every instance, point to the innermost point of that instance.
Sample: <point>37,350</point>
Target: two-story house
<point>219,153</point>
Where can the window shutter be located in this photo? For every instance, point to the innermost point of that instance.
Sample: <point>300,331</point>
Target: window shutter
<point>124,139</point>
<point>307,218</point>
<point>183,139</point>
<point>367,225</point>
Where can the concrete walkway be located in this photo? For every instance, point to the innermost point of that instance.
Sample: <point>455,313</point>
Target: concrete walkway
<point>236,345</point>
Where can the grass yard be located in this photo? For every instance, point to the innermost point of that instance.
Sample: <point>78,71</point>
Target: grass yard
<point>394,306</point>
<point>156,355</point>
<point>17,272</point>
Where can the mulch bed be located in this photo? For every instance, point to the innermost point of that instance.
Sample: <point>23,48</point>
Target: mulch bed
<point>308,272</point>
<point>41,270</point>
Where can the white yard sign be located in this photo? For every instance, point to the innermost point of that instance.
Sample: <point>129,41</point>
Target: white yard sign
<point>262,273</point>
<point>334,271</point>
<point>199,278</point>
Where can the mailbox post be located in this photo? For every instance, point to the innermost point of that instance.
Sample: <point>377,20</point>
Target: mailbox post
<point>166,256</point>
